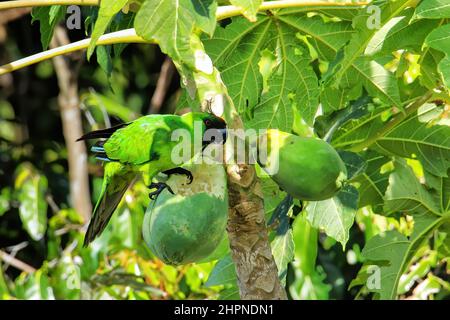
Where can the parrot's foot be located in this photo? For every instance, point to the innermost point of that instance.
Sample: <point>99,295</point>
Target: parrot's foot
<point>160,186</point>
<point>182,171</point>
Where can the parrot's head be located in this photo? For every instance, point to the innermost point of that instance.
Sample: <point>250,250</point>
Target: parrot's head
<point>214,128</point>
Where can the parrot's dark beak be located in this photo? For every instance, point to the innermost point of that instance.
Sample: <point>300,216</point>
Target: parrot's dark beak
<point>224,135</point>
<point>216,136</point>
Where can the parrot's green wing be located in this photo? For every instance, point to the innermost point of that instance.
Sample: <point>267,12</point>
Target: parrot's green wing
<point>144,140</point>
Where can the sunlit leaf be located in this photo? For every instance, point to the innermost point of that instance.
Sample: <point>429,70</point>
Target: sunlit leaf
<point>249,7</point>
<point>108,9</point>
<point>48,18</point>
<point>415,139</point>
<point>433,9</point>
<point>335,216</point>
<point>30,188</point>
<point>438,39</point>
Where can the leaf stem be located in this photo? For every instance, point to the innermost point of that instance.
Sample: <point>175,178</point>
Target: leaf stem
<point>413,107</point>
<point>41,3</point>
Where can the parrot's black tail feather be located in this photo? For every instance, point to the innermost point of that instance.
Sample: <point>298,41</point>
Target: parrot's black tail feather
<point>103,133</point>
<point>114,187</point>
<point>103,213</point>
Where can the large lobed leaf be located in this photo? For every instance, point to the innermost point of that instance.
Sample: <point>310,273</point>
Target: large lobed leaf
<point>237,51</point>
<point>416,138</point>
<point>393,251</point>
<point>330,41</point>
<point>171,23</point>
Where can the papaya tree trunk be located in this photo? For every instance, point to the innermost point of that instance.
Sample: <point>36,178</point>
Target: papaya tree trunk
<point>256,270</point>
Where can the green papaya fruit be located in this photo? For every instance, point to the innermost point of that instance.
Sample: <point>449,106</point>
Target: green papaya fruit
<point>306,168</point>
<point>188,226</point>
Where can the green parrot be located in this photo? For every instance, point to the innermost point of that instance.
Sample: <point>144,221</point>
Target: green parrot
<point>143,145</point>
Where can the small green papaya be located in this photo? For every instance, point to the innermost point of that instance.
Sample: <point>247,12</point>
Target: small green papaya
<point>306,168</point>
<point>189,225</point>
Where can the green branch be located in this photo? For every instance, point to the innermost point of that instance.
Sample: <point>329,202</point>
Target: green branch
<point>129,35</point>
<point>396,120</point>
<point>122,36</point>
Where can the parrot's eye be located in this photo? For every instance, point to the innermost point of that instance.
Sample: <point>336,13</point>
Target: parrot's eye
<point>207,123</point>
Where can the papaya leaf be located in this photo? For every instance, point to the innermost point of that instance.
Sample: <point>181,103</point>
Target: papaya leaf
<point>120,22</point>
<point>336,215</point>
<point>171,23</point>
<point>48,18</point>
<point>283,253</point>
<point>387,251</point>
<point>104,59</point>
<point>358,130</point>
<point>249,7</point>
<point>413,138</point>
<point>430,76</point>
<point>283,243</point>
<point>293,79</point>
<point>108,9</point>
<point>400,33</point>
<point>373,182</point>
<point>327,125</point>
<point>354,164</point>
<point>224,272</point>
<point>444,192</point>
<point>328,39</point>
<point>438,39</point>
<point>205,16</point>
<point>406,193</point>
<point>354,50</point>
<point>433,9</point>
<point>30,188</point>
<point>237,51</point>
<point>392,252</point>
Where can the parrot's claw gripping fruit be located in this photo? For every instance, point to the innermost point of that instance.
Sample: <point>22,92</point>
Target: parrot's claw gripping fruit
<point>181,171</point>
<point>160,186</point>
